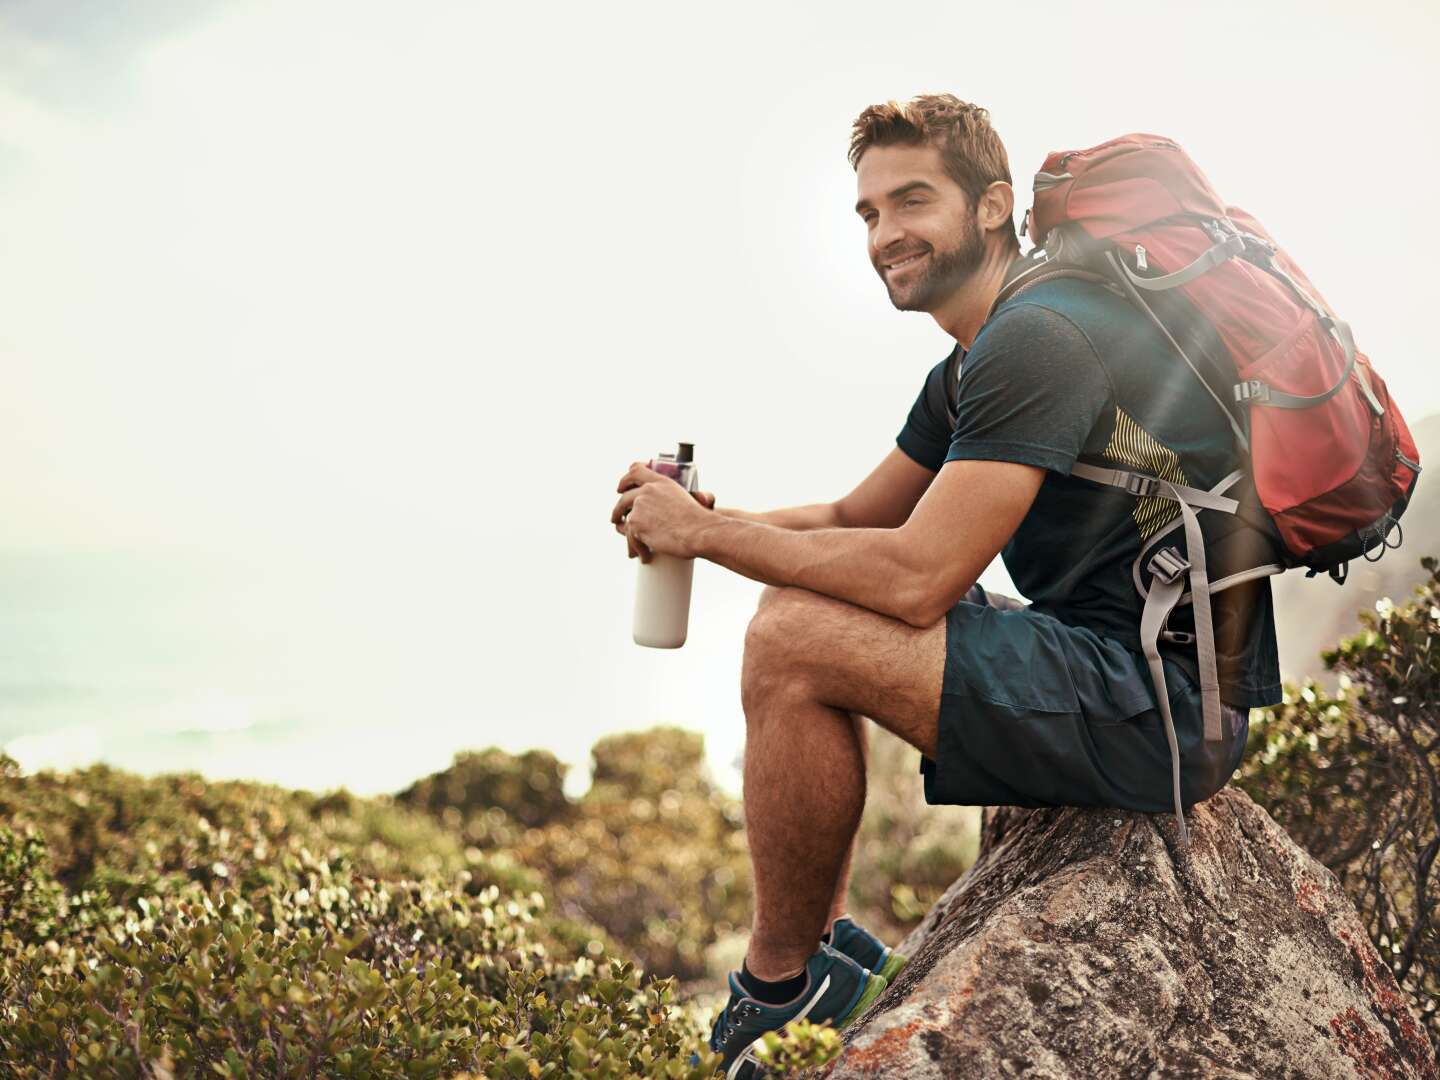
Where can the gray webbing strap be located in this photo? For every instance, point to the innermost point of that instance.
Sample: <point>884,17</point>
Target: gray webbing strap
<point>1258,390</point>
<point>1221,252</point>
<point>1188,499</point>
<point>1204,623</point>
<point>1241,440</point>
<point>1045,180</point>
<point>1149,487</point>
<point>1159,602</point>
<point>1137,570</point>
<point>1168,571</point>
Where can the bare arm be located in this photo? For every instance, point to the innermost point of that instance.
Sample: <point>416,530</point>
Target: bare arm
<point>914,572</point>
<point>883,500</point>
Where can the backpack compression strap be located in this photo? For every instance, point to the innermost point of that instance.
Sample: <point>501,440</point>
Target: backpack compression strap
<point>1165,589</point>
<point>1169,569</point>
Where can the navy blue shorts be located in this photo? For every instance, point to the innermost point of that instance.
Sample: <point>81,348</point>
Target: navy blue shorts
<point>1037,713</point>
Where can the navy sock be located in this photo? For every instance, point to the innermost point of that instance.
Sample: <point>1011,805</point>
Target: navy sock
<point>771,993</point>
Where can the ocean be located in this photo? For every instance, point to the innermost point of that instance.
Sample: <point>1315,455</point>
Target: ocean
<point>172,662</point>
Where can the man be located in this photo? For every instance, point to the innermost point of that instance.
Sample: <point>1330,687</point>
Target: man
<point>874,609</point>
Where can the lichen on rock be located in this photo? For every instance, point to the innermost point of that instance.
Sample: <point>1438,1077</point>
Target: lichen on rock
<point>1084,943</point>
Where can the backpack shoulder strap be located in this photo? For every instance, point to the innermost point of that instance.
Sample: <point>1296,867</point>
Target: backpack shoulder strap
<point>1030,269</point>
<point>1034,270</point>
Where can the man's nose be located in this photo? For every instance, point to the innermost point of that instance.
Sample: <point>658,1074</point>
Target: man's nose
<point>887,232</point>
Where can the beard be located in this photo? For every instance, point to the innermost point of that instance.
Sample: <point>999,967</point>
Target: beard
<point>948,270</point>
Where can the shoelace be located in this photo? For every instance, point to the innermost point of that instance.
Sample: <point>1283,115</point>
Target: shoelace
<point>723,1031</point>
<point>725,1028</point>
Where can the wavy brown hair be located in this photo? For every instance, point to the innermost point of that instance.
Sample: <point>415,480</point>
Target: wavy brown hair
<point>973,155</point>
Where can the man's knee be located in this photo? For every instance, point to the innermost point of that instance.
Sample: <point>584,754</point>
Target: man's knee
<point>781,610</point>
<point>772,594</point>
<point>771,659</point>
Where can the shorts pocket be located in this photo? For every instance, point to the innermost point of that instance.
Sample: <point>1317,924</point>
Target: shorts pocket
<point>1112,683</point>
<point>1012,658</point>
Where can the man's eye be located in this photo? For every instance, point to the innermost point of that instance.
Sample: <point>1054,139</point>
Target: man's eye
<point>913,202</point>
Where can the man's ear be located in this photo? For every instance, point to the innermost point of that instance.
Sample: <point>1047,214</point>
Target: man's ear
<point>997,206</point>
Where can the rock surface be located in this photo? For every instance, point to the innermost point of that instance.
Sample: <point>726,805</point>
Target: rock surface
<point>1083,944</point>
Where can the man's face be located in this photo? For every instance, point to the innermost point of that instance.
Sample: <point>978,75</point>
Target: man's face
<point>922,233</point>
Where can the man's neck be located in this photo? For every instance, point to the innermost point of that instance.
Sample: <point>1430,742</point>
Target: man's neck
<point>969,306</point>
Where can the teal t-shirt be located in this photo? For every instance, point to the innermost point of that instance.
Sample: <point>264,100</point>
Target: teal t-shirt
<point>1068,371</point>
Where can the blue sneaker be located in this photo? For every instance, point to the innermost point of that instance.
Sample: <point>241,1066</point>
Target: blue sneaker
<point>865,949</point>
<point>837,990</point>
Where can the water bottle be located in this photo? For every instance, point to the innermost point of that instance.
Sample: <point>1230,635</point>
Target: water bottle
<point>662,586</point>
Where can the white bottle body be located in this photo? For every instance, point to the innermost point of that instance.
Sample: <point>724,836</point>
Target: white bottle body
<point>662,586</point>
<point>662,601</point>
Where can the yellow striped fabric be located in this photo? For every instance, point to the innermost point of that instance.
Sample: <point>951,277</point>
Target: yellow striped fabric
<point>1131,447</point>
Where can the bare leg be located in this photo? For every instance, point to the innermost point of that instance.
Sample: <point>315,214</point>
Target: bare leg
<point>804,791</point>
<point>840,904</point>
<point>810,663</point>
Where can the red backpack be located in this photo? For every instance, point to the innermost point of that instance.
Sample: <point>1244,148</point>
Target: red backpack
<point>1332,461</point>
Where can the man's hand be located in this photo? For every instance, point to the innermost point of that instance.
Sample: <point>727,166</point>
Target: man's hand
<point>655,514</point>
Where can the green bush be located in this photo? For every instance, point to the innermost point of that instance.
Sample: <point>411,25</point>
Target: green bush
<point>1354,777</point>
<point>652,853</point>
<point>655,854</point>
<point>184,928</point>
<point>174,926</point>
<point>907,852</point>
<point>801,1045</point>
<point>529,788</point>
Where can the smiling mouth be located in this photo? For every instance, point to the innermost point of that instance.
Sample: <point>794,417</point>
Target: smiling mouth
<point>908,260</point>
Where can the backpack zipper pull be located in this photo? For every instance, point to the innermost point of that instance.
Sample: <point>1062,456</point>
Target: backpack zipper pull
<point>1140,261</point>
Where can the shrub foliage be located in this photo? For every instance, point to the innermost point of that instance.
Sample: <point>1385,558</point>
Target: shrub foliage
<point>907,852</point>
<point>151,927</point>
<point>529,788</point>
<point>165,927</point>
<point>1354,777</point>
<point>655,854</point>
<point>652,853</point>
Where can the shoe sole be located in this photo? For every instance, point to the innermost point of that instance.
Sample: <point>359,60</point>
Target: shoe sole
<point>892,967</point>
<point>874,987</point>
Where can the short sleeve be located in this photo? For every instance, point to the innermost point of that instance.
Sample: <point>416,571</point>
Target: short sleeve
<point>926,434</point>
<point>1031,391</point>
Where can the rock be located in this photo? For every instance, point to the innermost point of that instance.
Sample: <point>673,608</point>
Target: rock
<point>1082,944</point>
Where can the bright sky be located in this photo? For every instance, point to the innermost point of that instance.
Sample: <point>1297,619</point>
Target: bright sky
<point>388,303</point>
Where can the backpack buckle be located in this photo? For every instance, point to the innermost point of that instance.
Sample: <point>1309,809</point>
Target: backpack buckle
<point>1168,565</point>
<point>1177,637</point>
<point>1252,390</point>
<point>1140,486</point>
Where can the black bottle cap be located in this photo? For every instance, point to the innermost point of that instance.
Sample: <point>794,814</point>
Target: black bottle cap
<point>686,453</point>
